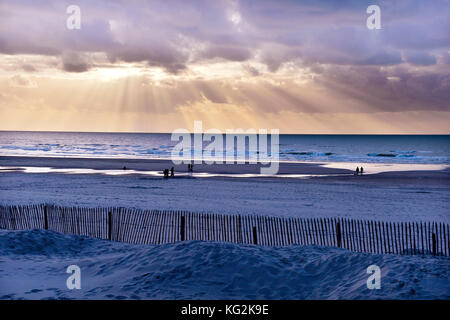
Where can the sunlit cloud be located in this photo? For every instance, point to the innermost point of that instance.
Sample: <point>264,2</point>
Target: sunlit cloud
<point>306,67</point>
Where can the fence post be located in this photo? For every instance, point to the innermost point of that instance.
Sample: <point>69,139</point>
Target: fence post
<point>45,217</point>
<point>109,225</point>
<point>182,224</point>
<point>433,236</point>
<point>338,234</point>
<point>255,238</point>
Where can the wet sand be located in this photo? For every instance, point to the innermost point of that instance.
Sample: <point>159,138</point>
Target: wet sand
<point>285,168</point>
<point>160,164</point>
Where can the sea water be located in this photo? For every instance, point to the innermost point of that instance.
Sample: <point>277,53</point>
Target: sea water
<point>414,149</point>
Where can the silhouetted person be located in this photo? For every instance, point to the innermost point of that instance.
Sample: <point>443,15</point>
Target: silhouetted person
<point>362,170</point>
<point>124,168</point>
<point>166,173</point>
<point>357,170</point>
<point>171,172</point>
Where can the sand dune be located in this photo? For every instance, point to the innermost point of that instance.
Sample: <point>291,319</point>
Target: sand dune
<point>34,264</point>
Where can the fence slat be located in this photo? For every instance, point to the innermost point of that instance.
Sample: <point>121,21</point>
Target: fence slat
<point>159,227</point>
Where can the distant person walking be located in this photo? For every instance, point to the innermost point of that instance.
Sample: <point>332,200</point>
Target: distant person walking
<point>166,173</point>
<point>357,170</point>
<point>362,170</point>
<point>171,172</point>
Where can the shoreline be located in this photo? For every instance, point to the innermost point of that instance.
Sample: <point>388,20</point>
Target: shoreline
<point>154,167</point>
<point>401,196</point>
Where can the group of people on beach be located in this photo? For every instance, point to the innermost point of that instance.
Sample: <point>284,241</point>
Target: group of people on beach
<point>172,170</point>
<point>359,171</point>
<point>166,173</point>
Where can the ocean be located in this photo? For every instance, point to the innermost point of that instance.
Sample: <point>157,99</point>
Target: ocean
<point>414,149</point>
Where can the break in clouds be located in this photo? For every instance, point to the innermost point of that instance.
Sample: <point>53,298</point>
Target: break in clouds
<point>264,56</point>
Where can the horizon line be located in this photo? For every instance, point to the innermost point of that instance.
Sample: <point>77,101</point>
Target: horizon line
<point>309,134</point>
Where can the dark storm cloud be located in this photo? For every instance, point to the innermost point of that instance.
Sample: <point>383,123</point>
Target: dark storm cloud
<point>390,91</point>
<point>228,53</point>
<point>420,58</point>
<point>74,62</point>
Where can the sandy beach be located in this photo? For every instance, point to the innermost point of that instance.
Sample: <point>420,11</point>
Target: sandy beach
<point>215,270</point>
<point>286,169</point>
<point>325,192</point>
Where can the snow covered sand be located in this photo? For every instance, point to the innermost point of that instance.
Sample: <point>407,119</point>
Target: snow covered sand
<point>33,265</point>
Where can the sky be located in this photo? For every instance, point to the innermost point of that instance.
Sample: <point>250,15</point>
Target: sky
<point>309,67</point>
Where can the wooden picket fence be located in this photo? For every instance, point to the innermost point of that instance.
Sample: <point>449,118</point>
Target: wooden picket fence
<point>159,227</point>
